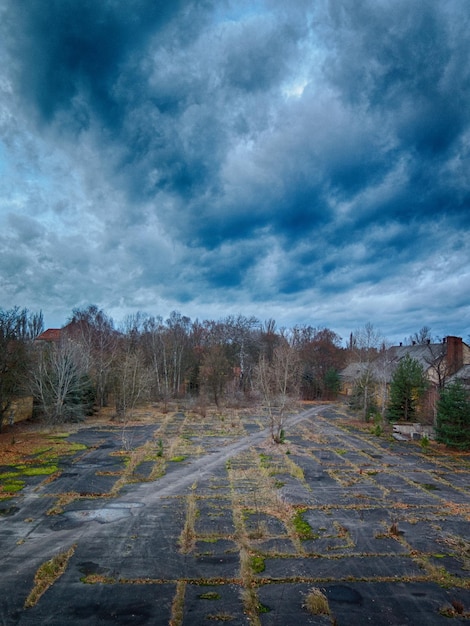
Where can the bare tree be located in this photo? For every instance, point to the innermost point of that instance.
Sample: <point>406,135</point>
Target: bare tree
<point>94,330</point>
<point>131,374</point>
<point>422,337</point>
<point>59,381</point>
<point>365,343</point>
<point>215,372</point>
<point>277,381</point>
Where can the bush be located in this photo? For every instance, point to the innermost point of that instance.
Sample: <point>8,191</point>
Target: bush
<point>453,417</point>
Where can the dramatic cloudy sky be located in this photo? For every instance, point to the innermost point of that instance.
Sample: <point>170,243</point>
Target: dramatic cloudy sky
<point>306,161</point>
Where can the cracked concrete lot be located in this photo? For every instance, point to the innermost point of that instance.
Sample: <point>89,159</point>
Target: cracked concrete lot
<point>188,520</point>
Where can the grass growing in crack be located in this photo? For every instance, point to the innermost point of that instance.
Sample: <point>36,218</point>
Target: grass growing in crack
<point>249,595</point>
<point>188,535</point>
<point>98,579</point>
<point>47,574</point>
<point>294,470</point>
<point>177,606</point>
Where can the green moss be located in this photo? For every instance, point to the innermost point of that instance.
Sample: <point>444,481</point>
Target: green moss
<point>257,564</point>
<point>210,595</point>
<point>40,470</point>
<point>7,475</point>
<point>302,527</point>
<point>178,459</point>
<point>13,486</point>
<point>77,447</point>
<point>429,487</point>
<point>40,451</point>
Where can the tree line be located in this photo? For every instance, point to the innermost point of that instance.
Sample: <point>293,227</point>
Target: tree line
<point>94,363</point>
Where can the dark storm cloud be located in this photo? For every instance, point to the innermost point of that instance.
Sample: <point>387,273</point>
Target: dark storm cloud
<point>66,48</point>
<point>212,151</point>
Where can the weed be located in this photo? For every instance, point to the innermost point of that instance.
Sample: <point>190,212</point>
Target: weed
<point>264,460</point>
<point>160,448</point>
<point>424,443</point>
<point>377,430</point>
<point>316,602</point>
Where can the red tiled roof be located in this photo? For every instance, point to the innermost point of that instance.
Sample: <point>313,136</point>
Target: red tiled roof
<point>51,334</point>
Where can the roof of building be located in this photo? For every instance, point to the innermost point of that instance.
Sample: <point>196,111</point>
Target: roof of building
<point>426,354</point>
<point>51,334</point>
<point>463,375</point>
<point>384,363</point>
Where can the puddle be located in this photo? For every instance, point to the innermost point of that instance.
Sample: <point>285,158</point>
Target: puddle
<point>104,515</point>
<point>7,511</point>
<point>343,593</point>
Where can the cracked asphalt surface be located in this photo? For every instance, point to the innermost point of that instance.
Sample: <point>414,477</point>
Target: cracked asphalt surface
<point>385,530</point>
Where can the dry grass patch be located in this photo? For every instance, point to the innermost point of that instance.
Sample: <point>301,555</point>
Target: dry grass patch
<point>177,606</point>
<point>47,574</point>
<point>316,602</point>
<point>188,535</point>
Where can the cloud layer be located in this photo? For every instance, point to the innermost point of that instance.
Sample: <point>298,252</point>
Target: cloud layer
<point>308,162</point>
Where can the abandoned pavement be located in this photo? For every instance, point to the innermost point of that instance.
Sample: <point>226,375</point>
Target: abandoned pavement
<point>235,530</point>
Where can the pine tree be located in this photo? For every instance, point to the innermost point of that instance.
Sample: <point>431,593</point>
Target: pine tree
<point>406,390</point>
<point>453,417</point>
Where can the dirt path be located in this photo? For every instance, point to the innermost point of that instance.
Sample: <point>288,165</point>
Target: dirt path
<point>197,469</point>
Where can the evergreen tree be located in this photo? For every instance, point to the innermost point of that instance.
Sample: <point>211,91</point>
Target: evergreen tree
<point>453,417</point>
<point>406,390</point>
